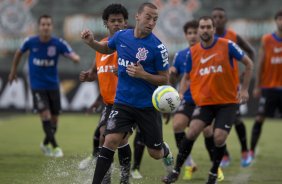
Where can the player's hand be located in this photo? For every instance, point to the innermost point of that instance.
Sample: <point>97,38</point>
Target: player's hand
<point>114,70</point>
<point>135,70</point>
<point>166,116</point>
<point>171,70</point>
<point>243,96</point>
<point>87,36</point>
<point>181,96</point>
<point>256,92</point>
<point>12,77</point>
<point>83,76</point>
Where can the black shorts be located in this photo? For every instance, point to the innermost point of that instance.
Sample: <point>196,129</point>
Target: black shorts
<point>269,102</point>
<point>47,99</point>
<point>124,118</point>
<point>224,115</point>
<point>105,115</point>
<point>186,108</point>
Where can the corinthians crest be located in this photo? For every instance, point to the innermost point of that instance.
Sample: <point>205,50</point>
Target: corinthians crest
<point>142,54</point>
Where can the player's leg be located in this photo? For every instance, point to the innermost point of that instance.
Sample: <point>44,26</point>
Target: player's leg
<point>209,142</point>
<point>120,123</point>
<point>138,152</point>
<point>267,105</point>
<point>96,141</point>
<point>41,105</point>
<point>202,116</point>
<point>55,109</point>
<point>224,118</point>
<point>242,135</point>
<point>124,155</point>
<point>180,122</point>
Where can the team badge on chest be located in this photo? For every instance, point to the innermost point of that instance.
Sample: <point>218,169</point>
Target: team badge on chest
<point>142,54</point>
<point>51,51</point>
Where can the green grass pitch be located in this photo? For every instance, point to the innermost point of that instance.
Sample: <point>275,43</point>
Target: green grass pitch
<point>21,161</point>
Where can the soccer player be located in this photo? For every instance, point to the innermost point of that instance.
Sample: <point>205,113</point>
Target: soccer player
<point>142,66</point>
<point>268,82</point>
<point>214,87</point>
<point>183,114</point>
<point>220,18</point>
<point>44,50</point>
<point>115,18</point>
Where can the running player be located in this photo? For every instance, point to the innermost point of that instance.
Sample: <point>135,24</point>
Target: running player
<point>143,65</point>
<point>220,18</point>
<point>44,50</point>
<point>115,18</point>
<point>268,84</point>
<point>214,87</point>
<point>184,113</point>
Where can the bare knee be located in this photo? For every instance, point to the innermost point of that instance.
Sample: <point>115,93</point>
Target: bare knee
<point>45,115</point>
<point>195,128</point>
<point>208,131</point>
<point>180,122</point>
<point>260,119</point>
<point>156,154</point>
<point>220,137</point>
<point>112,141</point>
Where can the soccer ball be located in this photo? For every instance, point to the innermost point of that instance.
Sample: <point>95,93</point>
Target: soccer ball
<point>166,99</point>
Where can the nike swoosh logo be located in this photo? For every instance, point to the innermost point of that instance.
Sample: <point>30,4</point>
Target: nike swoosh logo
<point>204,60</point>
<point>157,144</point>
<point>104,57</point>
<point>277,50</point>
<point>226,126</point>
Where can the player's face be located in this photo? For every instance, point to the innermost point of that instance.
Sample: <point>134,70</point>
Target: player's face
<point>115,23</point>
<point>219,18</point>
<point>45,27</point>
<point>192,36</point>
<point>206,30</point>
<point>279,23</point>
<point>146,20</point>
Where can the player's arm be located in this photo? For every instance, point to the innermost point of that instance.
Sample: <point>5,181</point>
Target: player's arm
<point>173,75</point>
<point>236,52</point>
<point>138,71</point>
<point>89,75</point>
<point>184,84</point>
<point>246,46</point>
<point>74,57</point>
<point>248,72</point>
<point>261,54</point>
<point>14,68</point>
<point>101,47</point>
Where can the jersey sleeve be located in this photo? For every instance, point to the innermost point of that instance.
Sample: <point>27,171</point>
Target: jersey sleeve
<point>113,41</point>
<point>25,45</point>
<point>188,66</point>
<point>161,58</point>
<point>64,47</point>
<point>235,51</point>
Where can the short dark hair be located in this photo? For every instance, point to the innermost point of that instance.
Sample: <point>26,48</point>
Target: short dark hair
<point>190,24</point>
<point>114,9</point>
<point>278,14</point>
<point>147,4</point>
<point>44,16</point>
<point>218,9</point>
<point>206,17</point>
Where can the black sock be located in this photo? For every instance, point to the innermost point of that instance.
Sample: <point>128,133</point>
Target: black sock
<point>138,151</point>
<point>184,151</point>
<point>242,135</point>
<point>226,152</point>
<point>178,138</point>
<point>96,142</point>
<point>124,155</point>
<point>256,131</point>
<point>103,164</point>
<point>47,127</point>
<point>218,154</point>
<point>54,127</point>
<point>209,143</point>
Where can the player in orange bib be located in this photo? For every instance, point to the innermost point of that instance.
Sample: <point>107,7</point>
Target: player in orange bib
<point>214,87</point>
<point>115,18</point>
<point>220,18</point>
<point>268,84</point>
